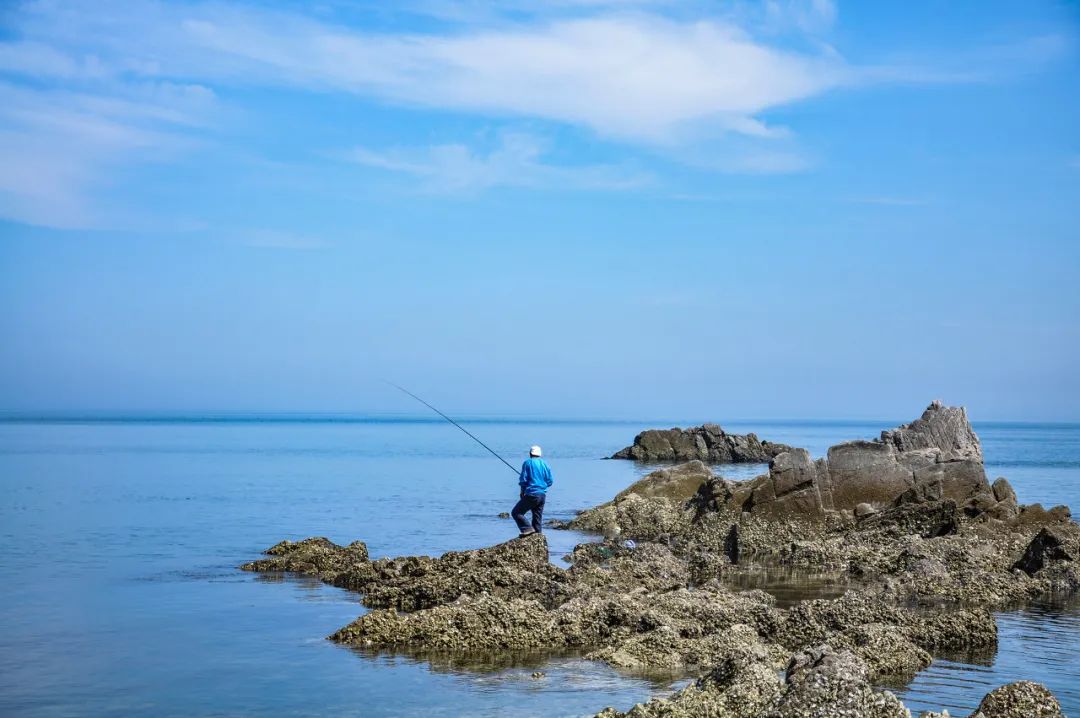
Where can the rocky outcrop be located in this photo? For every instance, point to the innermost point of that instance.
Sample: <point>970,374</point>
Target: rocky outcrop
<point>513,569</point>
<point>317,556</point>
<point>936,456</point>
<point>926,529</point>
<point>942,430</point>
<point>920,519</point>
<point>708,443</point>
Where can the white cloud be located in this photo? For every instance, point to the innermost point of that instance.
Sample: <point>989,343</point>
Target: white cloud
<point>637,78</point>
<point>516,160</point>
<point>60,147</point>
<point>632,75</point>
<point>684,79</point>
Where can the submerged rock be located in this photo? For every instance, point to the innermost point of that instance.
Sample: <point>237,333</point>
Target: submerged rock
<point>709,443</point>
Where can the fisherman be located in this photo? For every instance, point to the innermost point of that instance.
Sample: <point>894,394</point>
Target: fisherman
<point>534,481</point>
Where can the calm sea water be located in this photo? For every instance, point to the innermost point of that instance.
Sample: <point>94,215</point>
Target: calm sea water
<point>122,537</point>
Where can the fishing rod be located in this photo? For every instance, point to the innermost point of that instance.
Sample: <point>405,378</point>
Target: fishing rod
<point>414,396</point>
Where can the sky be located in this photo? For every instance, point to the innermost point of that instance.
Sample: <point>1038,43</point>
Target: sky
<point>573,208</point>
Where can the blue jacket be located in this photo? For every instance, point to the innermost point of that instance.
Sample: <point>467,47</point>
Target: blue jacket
<point>535,477</point>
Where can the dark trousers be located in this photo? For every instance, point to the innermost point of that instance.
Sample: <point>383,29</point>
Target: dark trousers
<point>529,503</point>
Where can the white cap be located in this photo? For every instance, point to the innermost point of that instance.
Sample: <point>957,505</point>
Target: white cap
<point>534,451</point>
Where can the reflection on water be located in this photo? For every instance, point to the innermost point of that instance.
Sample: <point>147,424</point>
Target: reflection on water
<point>496,668</point>
<point>788,584</point>
<point>1039,642</point>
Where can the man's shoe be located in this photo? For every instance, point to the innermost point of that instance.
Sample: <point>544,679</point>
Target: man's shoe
<point>526,532</point>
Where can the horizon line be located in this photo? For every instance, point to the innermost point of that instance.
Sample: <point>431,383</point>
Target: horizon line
<point>245,416</point>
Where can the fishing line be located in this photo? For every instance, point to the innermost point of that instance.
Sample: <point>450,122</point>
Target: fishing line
<point>414,396</point>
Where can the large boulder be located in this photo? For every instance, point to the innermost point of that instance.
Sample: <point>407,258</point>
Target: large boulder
<point>865,472</point>
<point>792,488</point>
<point>678,483</point>
<point>708,443</point>
<point>937,457</point>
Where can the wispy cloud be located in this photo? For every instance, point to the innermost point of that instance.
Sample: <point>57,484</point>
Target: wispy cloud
<point>93,86</point>
<point>59,146</point>
<point>631,75</point>
<point>516,160</point>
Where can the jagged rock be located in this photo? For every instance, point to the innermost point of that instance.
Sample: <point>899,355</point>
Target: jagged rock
<point>1022,699</point>
<point>713,495</point>
<point>929,520</point>
<point>1048,545</point>
<point>792,487</point>
<point>941,427</point>
<point>1036,515</point>
<point>708,443</point>
<point>936,457</point>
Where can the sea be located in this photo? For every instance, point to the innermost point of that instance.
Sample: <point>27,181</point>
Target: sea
<point>122,535</point>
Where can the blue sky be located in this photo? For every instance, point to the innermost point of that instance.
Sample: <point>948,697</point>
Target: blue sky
<point>572,208</point>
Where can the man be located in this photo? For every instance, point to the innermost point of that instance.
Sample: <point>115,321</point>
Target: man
<point>534,482</point>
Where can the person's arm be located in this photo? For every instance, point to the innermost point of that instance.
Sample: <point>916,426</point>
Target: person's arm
<point>523,479</point>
